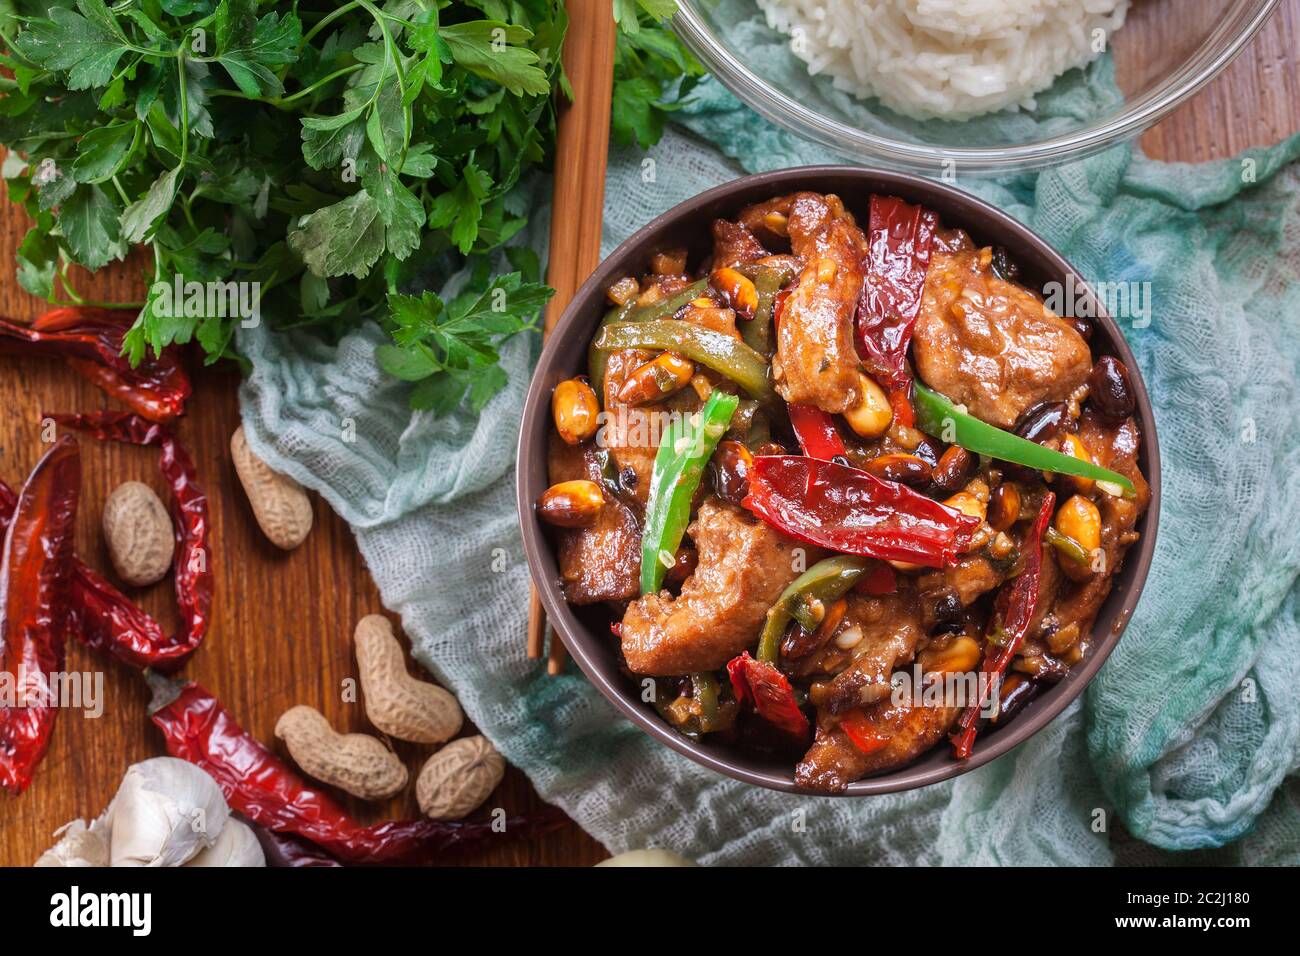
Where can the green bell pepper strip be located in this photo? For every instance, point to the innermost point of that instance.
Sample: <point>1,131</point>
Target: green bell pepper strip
<point>631,312</point>
<point>826,581</point>
<point>705,685</point>
<point>937,416</point>
<point>1067,546</point>
<point>598,361</point>
<point>665,308</point>
<point>724,354</point>
<point>684,450</point>
<point>757,332</point>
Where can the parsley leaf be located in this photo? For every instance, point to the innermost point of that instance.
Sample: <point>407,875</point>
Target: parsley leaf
<point>247,46</point>
<point>452,349</point>
<point>346,238</point>
<point>89,223</point>
<point>87,45</point>
<point>336,155</point>
<point>489,48</point>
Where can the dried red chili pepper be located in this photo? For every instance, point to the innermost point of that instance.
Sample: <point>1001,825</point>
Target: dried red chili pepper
<point>770,691</point>
<point>850,511</point>
<point>270,793</point>
<point>899,237</point>
<point>816,432</point>
<point>862,732</point>
<point>287,850</point>
<point>90,340</point>
<point>900,400</point>
<point>1013,611</point>
<point>34,575</point>
<point>105,618</point>
<point>879,580</point>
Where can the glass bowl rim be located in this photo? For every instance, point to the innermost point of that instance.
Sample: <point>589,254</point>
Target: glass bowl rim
<point>1219,48</point>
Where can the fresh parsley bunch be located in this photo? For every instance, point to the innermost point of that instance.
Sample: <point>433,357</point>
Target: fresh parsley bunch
<point>327,151</point>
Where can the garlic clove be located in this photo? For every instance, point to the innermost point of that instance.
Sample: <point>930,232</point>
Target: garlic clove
<point>165,812</point>
<point>236,846</point>
<point>79,845</point>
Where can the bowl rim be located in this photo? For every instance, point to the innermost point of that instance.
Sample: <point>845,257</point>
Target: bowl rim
<point>1209,59</point>
<point>581,642</point>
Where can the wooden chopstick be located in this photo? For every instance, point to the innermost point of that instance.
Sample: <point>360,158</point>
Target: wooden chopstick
<point>577,209</point>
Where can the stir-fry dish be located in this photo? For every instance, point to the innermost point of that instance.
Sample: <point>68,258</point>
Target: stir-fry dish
<point>847,489</point>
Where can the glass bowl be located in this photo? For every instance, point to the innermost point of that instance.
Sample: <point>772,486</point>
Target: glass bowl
<point>1164,53</point>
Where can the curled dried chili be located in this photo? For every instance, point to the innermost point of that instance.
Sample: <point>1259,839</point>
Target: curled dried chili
<point>34,574</point>
<point>108,620</point>
<point>899,237</point>
<point>770,691</point>
<point>90,340</point>
<point>268,792</point>
<point>1013,611</point>
<point>850,511</point>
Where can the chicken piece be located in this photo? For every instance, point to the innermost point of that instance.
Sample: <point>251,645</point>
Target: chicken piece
<point>601,562</point>
<point>744,565</point>
<point>767,220</point>
<point>628,431</point>
<point>890,626</point>
<point>990,344</point>
<point>970,576</point>
<point>734,245</point>
<point>816,360</point>
<point>834,760</point>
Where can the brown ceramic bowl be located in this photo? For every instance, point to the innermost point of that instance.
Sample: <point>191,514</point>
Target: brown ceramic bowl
<point>586,630</point>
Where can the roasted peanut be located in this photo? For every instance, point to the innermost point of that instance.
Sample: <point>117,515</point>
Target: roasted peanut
<point>1001,548</point>
<point>139,534</point>
<point>709,315</point>
<point>670,262</point>
<point>456,780</point>
<point>873,413</point>
<point>575,410</point>
<point>398,704</point>
<point>730,468</point>
<point>1004,506</point>
<point>777,223</point>
<point>624,290</point>
<point>280,505</point>
<point>1079,519</point>
<point>663,375</point>
<point>954,465</point>
<point>571,504</point>
<point>357,763</point>
<point>1073,445</point>
<point>968,503</point>
<point>960,654</point>
<point>1043,422</point>
<point>737,290</point>
<point>1109,389</point>
<point>825,270</point>
<point>908,469</point>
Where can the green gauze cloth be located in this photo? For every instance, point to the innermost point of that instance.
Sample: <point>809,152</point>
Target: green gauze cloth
<point>1188,734</point>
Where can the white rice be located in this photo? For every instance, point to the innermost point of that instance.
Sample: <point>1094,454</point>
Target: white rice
<point>946,58</point>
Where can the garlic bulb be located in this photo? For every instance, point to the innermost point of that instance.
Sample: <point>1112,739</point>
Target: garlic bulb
<point>165,812</point>
<point>647,858</point>
<point>236,846</point>
<point>79,845</point>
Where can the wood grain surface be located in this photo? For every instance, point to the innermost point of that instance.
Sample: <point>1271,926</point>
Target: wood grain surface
<point>282,627</point>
